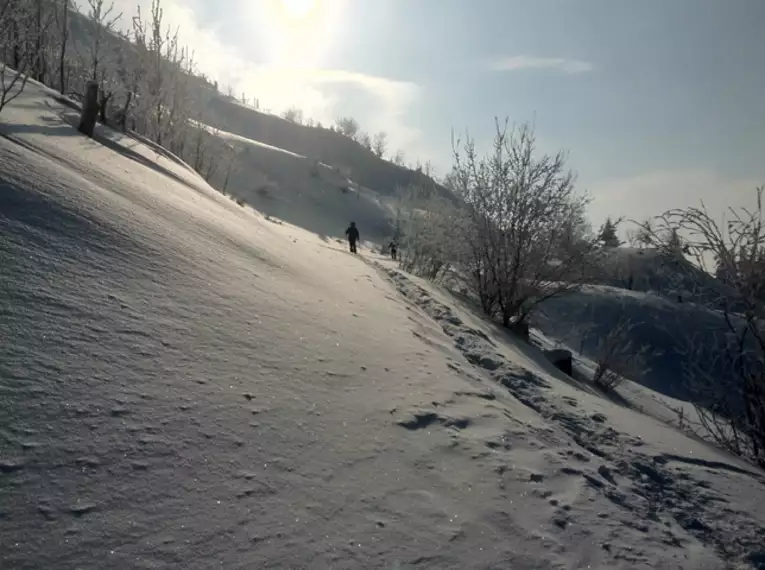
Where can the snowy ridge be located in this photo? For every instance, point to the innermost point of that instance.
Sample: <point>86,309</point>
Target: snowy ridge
<point>184,384</point>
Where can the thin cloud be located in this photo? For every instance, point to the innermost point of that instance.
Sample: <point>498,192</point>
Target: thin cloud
<point>525,62</point>
<point>651,193</point>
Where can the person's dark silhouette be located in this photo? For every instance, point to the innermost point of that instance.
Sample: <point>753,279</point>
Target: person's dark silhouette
<point>393,249</point>
<point>353,236</point>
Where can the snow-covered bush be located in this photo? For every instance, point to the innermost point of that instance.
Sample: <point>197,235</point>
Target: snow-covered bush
<point>519,234</point>
<point>731,408</point>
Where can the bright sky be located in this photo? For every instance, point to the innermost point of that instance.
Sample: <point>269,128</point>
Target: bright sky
<point>659,103</point>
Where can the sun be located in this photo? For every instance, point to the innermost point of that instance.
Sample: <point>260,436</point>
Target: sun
<point>298,8</point>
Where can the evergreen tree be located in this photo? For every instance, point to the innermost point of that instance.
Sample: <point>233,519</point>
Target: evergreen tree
<point>607,235</point>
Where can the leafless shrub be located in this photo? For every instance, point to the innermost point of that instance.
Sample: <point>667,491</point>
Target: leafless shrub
<point>380,144</point>
<point>425,224</point>
<point>617,355</point>
<point>725,367</point>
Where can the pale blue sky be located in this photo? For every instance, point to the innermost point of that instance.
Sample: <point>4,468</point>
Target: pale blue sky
<point>659,102</point>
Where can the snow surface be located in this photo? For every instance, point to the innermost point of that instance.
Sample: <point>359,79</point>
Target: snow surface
<point>303,191</point>
<point>186,384</point>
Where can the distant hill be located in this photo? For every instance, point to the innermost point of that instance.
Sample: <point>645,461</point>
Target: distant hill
<point>315,196</point>
<point>363,166</point>
<point>322,181</point>
<point>654,271</point>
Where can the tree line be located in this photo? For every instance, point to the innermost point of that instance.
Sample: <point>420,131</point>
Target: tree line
<point>147,82</point>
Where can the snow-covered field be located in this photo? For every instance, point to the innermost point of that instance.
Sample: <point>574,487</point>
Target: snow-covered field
<point>184,384</point>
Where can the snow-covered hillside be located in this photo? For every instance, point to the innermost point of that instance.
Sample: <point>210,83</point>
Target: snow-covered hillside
<point>184,384</point>
<point>304,192</point>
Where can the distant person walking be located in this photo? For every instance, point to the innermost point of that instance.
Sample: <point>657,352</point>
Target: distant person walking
<point>393,249</point>
<point>353,236</point>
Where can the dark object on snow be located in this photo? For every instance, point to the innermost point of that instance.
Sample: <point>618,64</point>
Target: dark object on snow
<point>521,330</point>
<point>562,359</point>
<point>89,109</point>
<point>353,236</point>
<point>393,249</point>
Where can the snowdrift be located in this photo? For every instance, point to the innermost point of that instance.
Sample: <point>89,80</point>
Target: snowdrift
<point>185,384</point>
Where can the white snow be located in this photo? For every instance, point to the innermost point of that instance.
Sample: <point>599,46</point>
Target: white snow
<point>186,384</point>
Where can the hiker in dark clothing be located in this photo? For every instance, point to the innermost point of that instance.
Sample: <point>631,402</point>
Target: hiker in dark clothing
<point>393,249</point>
<point>353,236</point>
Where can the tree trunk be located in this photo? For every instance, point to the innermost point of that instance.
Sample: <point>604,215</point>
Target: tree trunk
<point>89,109</point>
<point>16,46</point>
<point>62,54</point>
<point>102,105</point>
<point>125,110</point>
<point>39,67</point>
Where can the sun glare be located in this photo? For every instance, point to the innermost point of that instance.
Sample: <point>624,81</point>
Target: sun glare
<point>298,33</point>
<point>298,8</point>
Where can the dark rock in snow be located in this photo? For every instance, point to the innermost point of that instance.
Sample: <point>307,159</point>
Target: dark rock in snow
<point>562,359</point>
<point>10,465</point>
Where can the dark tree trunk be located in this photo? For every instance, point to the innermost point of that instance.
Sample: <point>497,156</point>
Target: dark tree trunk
<point>62,53</point>
<point>89,109</point>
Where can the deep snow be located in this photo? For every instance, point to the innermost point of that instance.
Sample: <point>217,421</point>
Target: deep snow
<point>185,384</point>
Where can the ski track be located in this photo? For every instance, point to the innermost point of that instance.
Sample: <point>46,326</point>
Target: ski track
<point>184,384</point>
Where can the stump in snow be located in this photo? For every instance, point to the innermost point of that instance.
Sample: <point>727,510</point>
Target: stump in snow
<point>89,109</point>
<point>562,359</point>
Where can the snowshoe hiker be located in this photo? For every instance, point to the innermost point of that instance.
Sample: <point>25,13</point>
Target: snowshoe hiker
<point>393,249</point>
<point>353,236</point>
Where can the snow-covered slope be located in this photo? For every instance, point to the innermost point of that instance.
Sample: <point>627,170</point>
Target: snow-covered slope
<point>665,327</point>
<point>184,384</point>
<point>304,192</point>
<point>653,271</point>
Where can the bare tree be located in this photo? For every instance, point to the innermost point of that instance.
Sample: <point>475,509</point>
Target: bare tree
<point>617,355</point>
<point>62,19</point>
<point>518,248</point>
<point>347,126</point>
<point>424,224</point>
<point>725,367</point>
<point>399,159</point>
<point>364,140</point>
<point>293,115</point>
<point>17,28</point>
<point>103,19</point>
<point>641,235</point>
<point>380,144</point>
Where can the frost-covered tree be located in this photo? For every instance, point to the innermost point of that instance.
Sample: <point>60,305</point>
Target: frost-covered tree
<point>380,144</point>
<point>24,25</point>
<point>728,383</point>
<point>347,126</point>
<point>519,236</point>
<point>364,140</point>
<point>293,115</point>
<point>15,25</point>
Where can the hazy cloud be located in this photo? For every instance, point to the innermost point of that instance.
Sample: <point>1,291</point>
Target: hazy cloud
<point>652,193</point>
<point>525,62</point>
